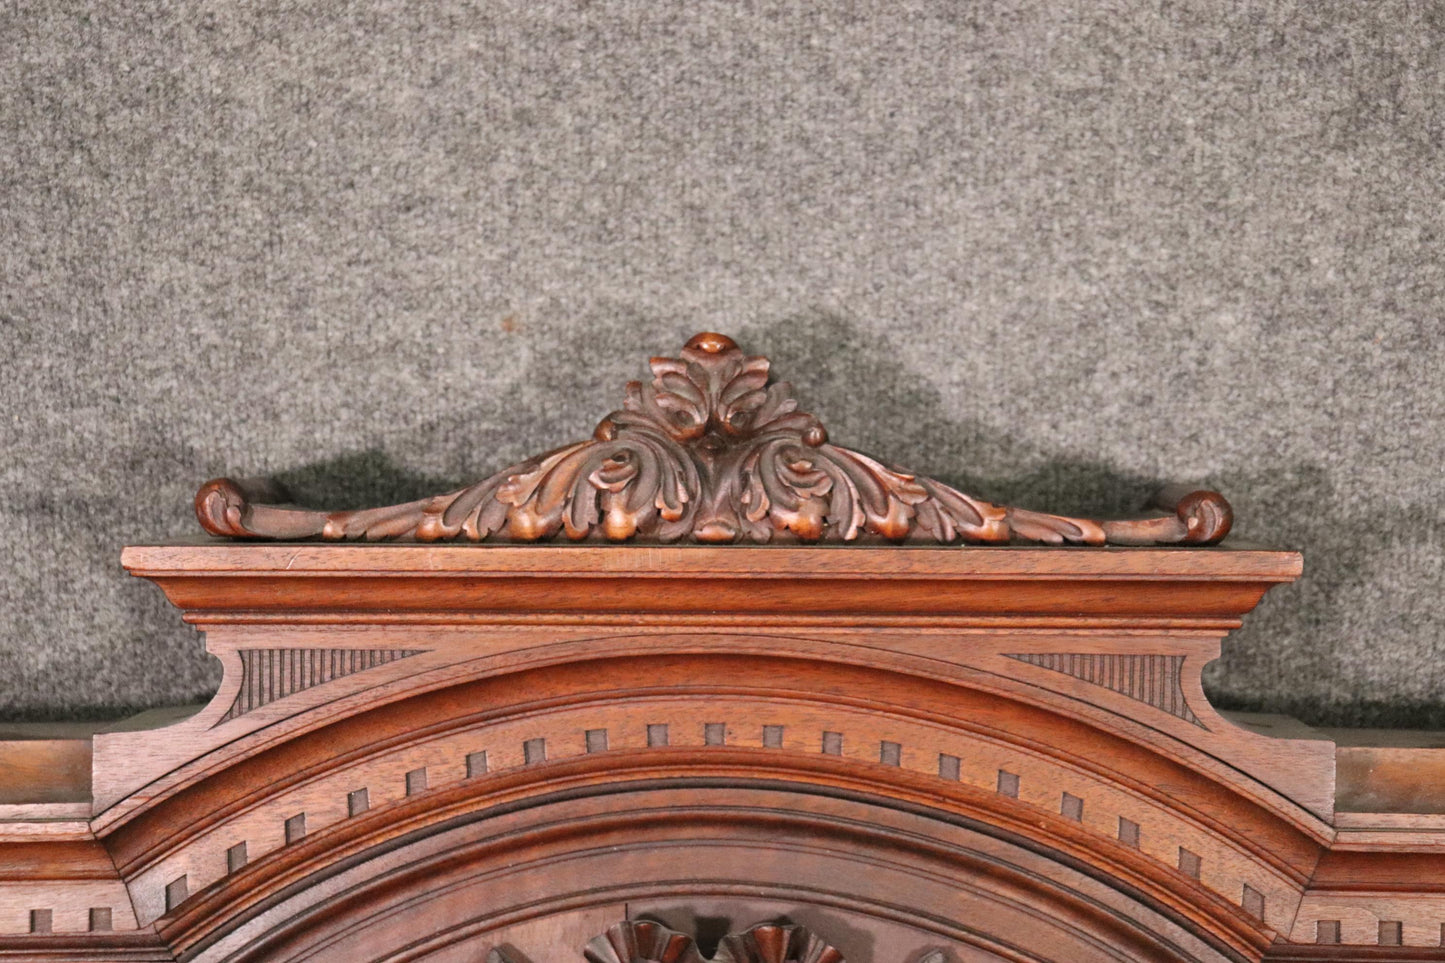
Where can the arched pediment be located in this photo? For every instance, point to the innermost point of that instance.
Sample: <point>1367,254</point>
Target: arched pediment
<point>709,669</point>
<point>581,711</point>
<point>784,845</point>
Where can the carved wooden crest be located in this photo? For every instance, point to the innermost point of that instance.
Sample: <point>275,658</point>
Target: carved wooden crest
<point>709,452</point>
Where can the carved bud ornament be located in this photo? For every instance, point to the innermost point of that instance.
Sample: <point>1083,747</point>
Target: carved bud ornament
<point>708,452</point>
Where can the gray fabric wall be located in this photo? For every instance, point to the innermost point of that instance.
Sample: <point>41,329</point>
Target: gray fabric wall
<point>1053,252</point>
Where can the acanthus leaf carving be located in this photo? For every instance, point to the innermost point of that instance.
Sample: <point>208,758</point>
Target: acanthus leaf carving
<point>708,451</point>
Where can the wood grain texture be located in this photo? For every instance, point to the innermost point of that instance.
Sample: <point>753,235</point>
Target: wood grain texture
<point>1212,587</point>
<point>1163,601</point>
<point>644,941</point>
<point>424,751</point>
<point>872,863</point>
<point>523,739</point>
<point>45,771</point>
<point>271,674</point>
<point>1392,779</point>
<point>1151,679</point>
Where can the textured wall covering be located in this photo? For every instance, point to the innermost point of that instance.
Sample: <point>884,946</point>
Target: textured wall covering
<point>1051,251</point>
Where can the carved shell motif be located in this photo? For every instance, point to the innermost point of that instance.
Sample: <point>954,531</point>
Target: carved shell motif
<point>644,941</point>
<point>647,942</point>
<point>710,452</point>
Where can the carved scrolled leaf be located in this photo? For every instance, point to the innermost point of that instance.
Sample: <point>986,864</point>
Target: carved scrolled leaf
<point>709,452</point>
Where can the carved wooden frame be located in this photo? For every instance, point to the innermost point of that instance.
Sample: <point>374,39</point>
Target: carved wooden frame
<point>429,747</point>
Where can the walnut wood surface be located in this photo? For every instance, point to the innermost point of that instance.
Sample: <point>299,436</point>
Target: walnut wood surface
<point>883,749</point>
<point>645,941</point>
<point>707,452</point>
<point>430,752</point>
<point>1209,588</point>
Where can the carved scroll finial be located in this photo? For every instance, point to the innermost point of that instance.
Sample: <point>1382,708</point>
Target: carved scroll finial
<point>706,451</point>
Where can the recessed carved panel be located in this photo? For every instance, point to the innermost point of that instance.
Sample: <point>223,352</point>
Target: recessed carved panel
<point>1151,679</point>
<point>271,674</point>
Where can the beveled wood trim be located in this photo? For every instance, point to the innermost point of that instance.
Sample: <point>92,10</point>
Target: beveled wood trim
<point>953,656</point>
<point>1284,952</point>
<point>454,583</point>
<point>134,947</point>
<point>628,561</point>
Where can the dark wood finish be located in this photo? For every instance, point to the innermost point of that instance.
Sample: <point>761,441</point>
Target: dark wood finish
<point>708,452</point>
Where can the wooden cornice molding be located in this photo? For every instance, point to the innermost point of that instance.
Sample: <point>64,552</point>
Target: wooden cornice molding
<point>708,452</point>
<point>228,582</point>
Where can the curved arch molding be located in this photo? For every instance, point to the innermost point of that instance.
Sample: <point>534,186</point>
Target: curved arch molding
<point>441,752</point>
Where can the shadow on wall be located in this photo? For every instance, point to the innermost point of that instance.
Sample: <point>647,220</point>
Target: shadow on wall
<point>894,415</point>
<point>1363,569</point>
<point>1301,639</point>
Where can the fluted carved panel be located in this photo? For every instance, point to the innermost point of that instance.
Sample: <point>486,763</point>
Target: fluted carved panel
<point>1151,679</point>
<point>271,674</point>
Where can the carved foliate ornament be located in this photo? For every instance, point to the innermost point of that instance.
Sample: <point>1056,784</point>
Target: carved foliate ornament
<point>709,452</point>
